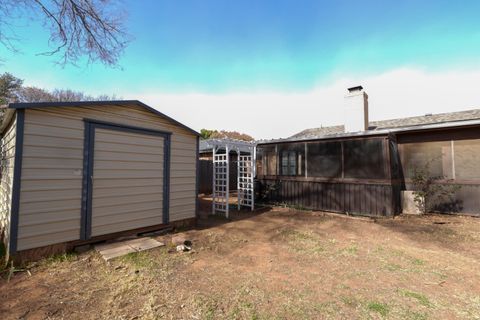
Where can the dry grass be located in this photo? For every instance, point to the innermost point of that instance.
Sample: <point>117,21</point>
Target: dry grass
<point>278,265</point>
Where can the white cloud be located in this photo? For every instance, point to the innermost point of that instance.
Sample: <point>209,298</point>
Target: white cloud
<point>397,93</point>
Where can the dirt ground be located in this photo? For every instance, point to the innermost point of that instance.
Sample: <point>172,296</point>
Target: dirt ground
<point>278,264</point>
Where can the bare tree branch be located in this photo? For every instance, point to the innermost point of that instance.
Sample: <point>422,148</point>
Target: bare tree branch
<point>8,37</point>
<point>78,28</point>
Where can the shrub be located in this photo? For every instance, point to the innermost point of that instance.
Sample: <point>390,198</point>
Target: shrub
<point>429,193</point>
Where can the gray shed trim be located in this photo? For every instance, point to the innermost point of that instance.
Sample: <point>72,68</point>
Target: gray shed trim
<point>99,103</point>
<point>90,126</point>
<point>166,178</point>
<point>17,174</point>
<point>197,181</point>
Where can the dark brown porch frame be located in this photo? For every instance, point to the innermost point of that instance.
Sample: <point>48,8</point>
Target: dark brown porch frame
<point>372,197</point>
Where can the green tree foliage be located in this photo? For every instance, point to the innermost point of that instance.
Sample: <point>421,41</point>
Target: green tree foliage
<point>9,88</point>
<point>206,134</point>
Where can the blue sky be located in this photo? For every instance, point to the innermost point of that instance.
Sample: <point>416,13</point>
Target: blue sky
<point>229,47</point>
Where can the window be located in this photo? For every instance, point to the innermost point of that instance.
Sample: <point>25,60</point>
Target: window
<point>364,159</point>
<point>292,159</point>
<point>289,163</point>
<point>324,159</point>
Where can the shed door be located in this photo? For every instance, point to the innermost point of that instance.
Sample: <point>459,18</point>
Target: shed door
<point>127,181</point>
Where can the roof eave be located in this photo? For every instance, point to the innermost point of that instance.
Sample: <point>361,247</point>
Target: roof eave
<point>383,132</point>
<point>28,105</point>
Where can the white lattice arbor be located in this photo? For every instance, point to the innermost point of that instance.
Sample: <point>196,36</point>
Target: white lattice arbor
<point>221,185</point>
<point>245,190</point>
<point>221,174</point>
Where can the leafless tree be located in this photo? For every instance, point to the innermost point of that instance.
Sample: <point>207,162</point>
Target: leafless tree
<point>78,28</point>
<point>223,134</point>
<point>12,90</point>
<point>35,94</point>
<point>71,95</point>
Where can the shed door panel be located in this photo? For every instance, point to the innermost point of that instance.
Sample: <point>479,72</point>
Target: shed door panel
<point>127,184</point>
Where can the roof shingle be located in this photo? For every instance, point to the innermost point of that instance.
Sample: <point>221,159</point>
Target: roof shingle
<point>392,123</point>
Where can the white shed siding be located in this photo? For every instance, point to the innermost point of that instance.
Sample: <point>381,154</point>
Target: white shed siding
<point>6,182</point>
<point>51,183</point>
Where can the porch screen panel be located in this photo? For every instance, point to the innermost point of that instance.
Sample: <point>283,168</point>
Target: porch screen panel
<point>365,159</point>
<point>266,161</point>
<point>467,159</point>
<point>324,159</point>
<point>259,161</point>
<point>436,155</point>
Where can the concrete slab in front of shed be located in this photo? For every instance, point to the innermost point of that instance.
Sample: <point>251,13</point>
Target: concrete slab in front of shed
<point>142,244</point>
<point>121,248</point>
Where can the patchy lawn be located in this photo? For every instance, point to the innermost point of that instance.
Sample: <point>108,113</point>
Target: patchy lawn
<point>275,265</point>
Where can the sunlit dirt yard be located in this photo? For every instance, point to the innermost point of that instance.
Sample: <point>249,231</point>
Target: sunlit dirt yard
<point>279,264</point>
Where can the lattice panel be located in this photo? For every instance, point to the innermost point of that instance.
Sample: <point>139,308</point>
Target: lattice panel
<point>245,181</point>
<point>220,183</point>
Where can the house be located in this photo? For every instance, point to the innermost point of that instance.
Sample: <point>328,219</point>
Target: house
<point>366,168</point>
<point>79,172</point>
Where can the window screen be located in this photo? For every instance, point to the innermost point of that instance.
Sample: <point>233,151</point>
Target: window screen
<point>364,159</point>
<point>467,164</point>
<point>292,159</point>
<point>437,155</point>
<point>324,159</point>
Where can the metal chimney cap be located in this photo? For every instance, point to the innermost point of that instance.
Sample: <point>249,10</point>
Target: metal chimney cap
<point>357,88</point>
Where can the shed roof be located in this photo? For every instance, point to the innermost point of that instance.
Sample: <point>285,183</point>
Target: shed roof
<point>103,103</point>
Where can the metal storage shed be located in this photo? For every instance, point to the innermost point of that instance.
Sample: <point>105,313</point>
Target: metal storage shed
<point>79,172</point>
